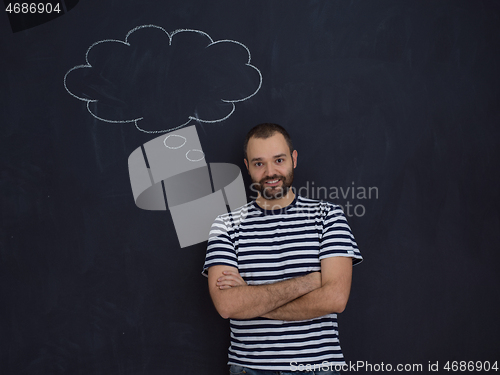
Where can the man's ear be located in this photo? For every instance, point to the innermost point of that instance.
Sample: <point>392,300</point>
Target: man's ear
<point>294,158</point>
<point>246,163</point>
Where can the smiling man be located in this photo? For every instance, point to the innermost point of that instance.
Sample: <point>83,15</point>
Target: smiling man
<point>280,268</point>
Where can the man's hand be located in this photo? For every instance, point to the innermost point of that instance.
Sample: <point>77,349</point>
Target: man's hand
<point>233,298</point>
<point>331,297</point>
<point>230,279</point>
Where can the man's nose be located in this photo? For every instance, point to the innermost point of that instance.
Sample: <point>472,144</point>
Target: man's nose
<point>270,170</point>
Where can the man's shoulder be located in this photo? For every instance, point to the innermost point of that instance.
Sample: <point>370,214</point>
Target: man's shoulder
<point>237,215</point>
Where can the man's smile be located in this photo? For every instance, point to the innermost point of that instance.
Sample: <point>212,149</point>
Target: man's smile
<point>273,182</point>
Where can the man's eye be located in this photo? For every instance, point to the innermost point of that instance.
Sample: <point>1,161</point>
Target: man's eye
<point>279,160</point>
<point>258,164</point>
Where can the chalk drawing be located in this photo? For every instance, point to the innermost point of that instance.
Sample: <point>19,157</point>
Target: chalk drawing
<point>115,81</point>
<point>103,57</point>
<point>193,151</point>
<point>174,147</point>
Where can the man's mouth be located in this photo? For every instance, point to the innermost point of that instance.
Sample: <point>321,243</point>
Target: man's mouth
<point>272,182</point>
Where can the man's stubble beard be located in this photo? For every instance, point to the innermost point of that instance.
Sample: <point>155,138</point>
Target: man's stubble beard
<point>273,193</point>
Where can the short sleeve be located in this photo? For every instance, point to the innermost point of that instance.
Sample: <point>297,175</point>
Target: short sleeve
<point>337,238</point>
<point>221,249</point>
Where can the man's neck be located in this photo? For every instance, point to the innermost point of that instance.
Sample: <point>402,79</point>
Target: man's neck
<point>275,204</point>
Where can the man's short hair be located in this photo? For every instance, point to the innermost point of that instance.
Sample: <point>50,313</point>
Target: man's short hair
<point>265,131</point>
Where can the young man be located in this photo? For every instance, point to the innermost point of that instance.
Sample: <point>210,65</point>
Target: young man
<point>280,267</point>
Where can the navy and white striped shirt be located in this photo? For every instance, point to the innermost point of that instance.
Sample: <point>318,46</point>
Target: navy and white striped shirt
<point>267,246</point>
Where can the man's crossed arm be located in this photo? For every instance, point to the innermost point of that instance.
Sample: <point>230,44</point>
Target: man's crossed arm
<point>305,297</point>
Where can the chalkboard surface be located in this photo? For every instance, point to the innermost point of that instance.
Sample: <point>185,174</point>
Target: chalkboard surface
<point>393,106</point>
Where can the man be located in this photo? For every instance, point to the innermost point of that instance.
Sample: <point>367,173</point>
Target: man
<point>280,267</point>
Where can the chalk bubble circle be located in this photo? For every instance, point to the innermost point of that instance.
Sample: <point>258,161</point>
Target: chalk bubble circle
<point>195,155</point>
<point>172,141</point>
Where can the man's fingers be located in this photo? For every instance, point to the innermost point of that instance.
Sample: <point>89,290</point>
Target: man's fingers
<point>229,280</point>
<point>224,278</point>
<point>226,284</point>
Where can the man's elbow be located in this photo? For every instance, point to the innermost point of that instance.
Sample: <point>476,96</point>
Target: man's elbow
<point>222,309</point>
<point>228,313</point>
<point>226,309</point>
<point>224,313</point>
<point>230,310</point>
<point>338,304</point>
<point>341,307</point>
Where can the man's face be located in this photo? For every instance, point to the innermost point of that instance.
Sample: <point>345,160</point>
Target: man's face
<point>270,166</point>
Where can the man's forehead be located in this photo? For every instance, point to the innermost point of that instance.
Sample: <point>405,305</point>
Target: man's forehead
<point>258,158</point>
<point>271,147</point>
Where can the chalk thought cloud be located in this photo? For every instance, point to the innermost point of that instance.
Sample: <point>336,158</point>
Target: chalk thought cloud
<point>162,80</point>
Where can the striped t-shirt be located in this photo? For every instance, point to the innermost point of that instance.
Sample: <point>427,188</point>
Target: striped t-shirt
<point>267,246</point>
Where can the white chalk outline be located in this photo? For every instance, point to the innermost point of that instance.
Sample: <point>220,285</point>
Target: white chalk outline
<point>170,36</point>
<point>203,157</point>
<point>174,135</point>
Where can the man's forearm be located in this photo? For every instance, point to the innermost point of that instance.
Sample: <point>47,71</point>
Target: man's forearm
<point>250,301</point>
<point>332,297</point>
<point>317,303</point>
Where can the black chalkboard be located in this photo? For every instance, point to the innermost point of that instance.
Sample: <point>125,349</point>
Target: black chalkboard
<point>394,108</point>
